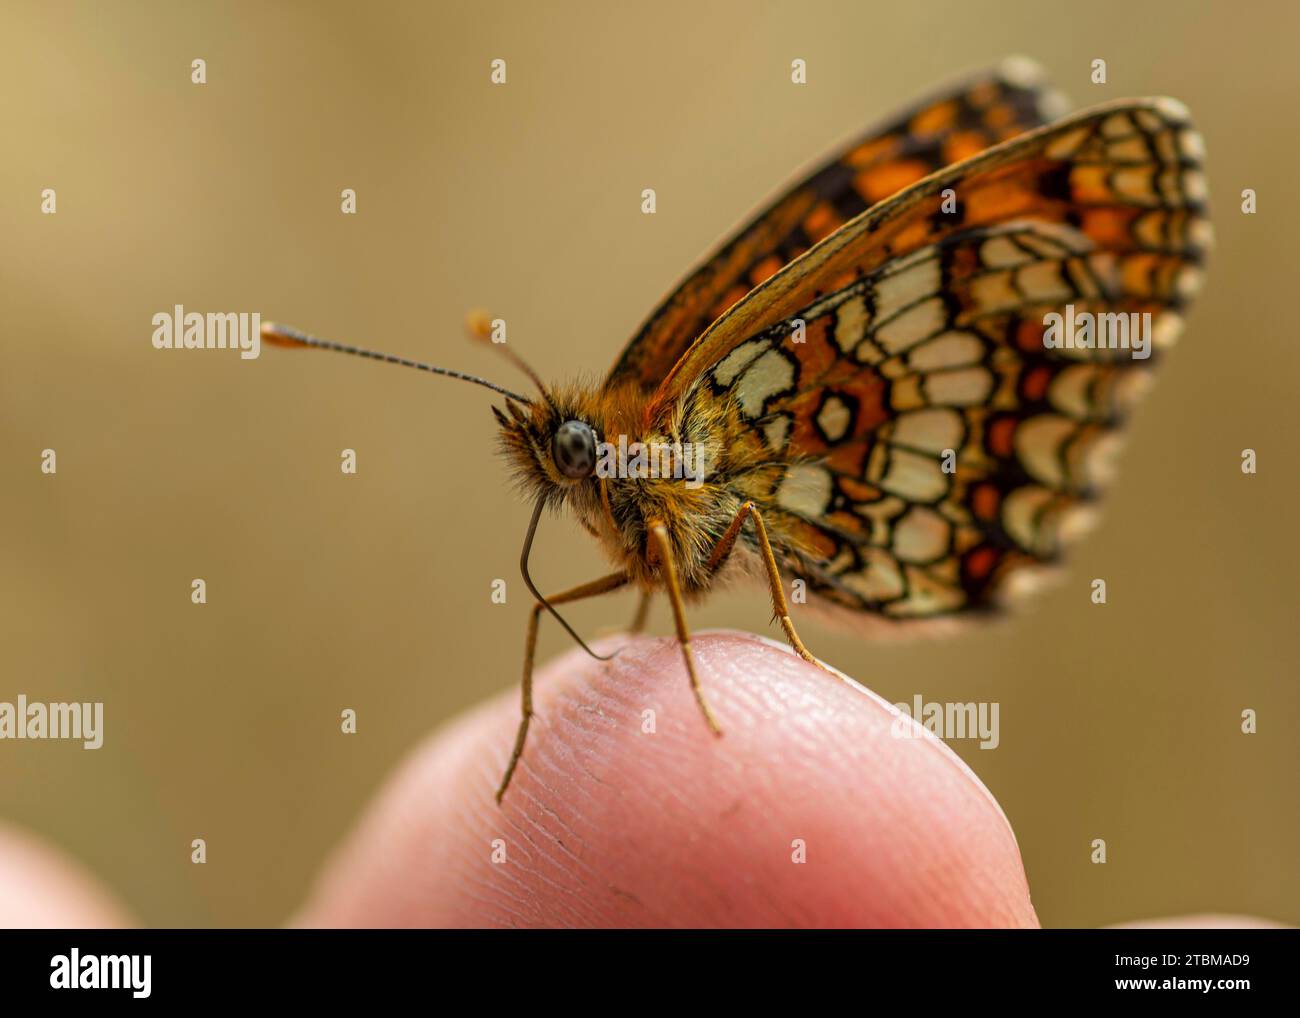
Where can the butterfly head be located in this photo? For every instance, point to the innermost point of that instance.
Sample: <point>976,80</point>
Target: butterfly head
<point>551,444</point>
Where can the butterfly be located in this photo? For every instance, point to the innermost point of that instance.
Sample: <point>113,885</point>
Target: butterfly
<point>865,388</point>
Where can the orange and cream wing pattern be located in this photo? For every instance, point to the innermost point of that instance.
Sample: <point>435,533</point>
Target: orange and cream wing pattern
<point>899,414</point>
<point>952,125</point>
<point>1127,174</point>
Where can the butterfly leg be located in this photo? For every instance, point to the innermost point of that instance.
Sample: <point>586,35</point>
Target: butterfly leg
<point>663,550</point>
<point>779,606</point>
<point>642,612</point>
<point>596,587</point>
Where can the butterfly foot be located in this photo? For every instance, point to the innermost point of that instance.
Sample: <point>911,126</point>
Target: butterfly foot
<point>709,719</point>
<point>797,646</point>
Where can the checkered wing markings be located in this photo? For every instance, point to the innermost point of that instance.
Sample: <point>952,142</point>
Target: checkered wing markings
<point>1126,175</point>
<point>944,350</point>
<point>946,128</point>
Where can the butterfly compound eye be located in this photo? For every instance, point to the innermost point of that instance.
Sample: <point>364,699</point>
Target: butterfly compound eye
<point>574,449</point>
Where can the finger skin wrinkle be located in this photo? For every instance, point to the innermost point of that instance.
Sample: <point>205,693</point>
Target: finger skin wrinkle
<point>808,811</point>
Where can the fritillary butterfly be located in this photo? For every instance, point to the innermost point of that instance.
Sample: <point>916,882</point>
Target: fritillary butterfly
<point>869,369</point>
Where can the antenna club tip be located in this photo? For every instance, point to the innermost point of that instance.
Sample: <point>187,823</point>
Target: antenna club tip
<point>478,323</point>
<point>280,335</point>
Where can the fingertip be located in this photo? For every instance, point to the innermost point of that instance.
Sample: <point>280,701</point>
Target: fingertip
<point>41,887</point>
<point>809,811</point>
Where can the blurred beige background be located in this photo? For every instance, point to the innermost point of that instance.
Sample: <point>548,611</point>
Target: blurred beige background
<point>372,592</point>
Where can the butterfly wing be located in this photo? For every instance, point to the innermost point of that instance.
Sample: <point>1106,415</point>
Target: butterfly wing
<point>895,411</point>
<point>950,126</point>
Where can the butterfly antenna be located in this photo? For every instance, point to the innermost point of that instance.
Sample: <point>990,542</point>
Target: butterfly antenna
<point>283,335</point>
<point>528,580</point>
<point>480,327</point>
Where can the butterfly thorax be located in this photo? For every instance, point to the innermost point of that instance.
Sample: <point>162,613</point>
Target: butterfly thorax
<point>690,468</point>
